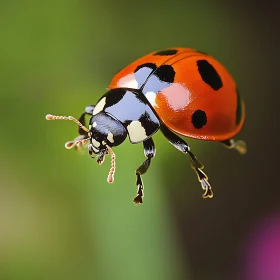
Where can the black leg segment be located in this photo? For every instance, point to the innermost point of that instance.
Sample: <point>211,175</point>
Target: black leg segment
<point>183,147</point>
<point>149,152</point>
<point>82,119</point>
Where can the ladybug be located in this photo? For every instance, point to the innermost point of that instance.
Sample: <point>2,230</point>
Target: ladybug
<point>179,91</point>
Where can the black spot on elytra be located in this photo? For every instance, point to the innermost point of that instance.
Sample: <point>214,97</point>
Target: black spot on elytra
<point>238,108</point>
<point>149,126</point>
<point>166,52</point>
<point>199,119</point>
<point>148,65</point>
<point>165,73</point>
<point>209,74</point>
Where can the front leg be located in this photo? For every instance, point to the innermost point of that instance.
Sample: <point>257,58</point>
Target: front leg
<point>149,152</point>
<point>88,111</point>
<point>183,147</point>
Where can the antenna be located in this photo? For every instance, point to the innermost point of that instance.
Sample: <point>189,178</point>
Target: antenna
<point>69,118</point>
<point>110,178</point>
<point>77,142</point>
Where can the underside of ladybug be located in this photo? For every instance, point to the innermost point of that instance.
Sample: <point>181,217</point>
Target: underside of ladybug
<point>135,112</point>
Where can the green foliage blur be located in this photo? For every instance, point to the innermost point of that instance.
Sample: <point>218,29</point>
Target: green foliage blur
<point>59,218</point>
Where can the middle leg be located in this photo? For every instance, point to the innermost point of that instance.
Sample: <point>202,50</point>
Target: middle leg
<point>149,152</point>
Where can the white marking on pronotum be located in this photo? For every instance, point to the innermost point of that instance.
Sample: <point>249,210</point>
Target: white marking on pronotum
<point>95,150</point>
<point>95,143</point>
<point>94,124</point>
<point>136,131</point>
<point>110,137</point>
<point>99,106</point>
<point>151,96</point>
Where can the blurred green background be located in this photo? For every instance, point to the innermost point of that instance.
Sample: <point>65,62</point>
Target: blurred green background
<point>60,219</point>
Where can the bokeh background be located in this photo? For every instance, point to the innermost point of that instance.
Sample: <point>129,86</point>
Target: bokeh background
<point>60,219</point>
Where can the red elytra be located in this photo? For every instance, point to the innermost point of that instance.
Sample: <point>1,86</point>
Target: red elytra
<point>211,90</point>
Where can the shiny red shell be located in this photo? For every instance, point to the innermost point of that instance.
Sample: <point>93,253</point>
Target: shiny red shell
<point>175,105</point>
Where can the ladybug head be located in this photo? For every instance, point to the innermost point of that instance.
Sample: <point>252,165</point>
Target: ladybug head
<point>105,131</point>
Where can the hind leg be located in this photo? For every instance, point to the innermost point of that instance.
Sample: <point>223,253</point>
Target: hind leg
<point>238,145</point>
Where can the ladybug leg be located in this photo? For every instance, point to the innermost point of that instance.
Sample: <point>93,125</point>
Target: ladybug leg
<point>149,152</point>
<point>238,145</point>
<point>82,120</point>
<point>183,147</point>
<point>82,134</point>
